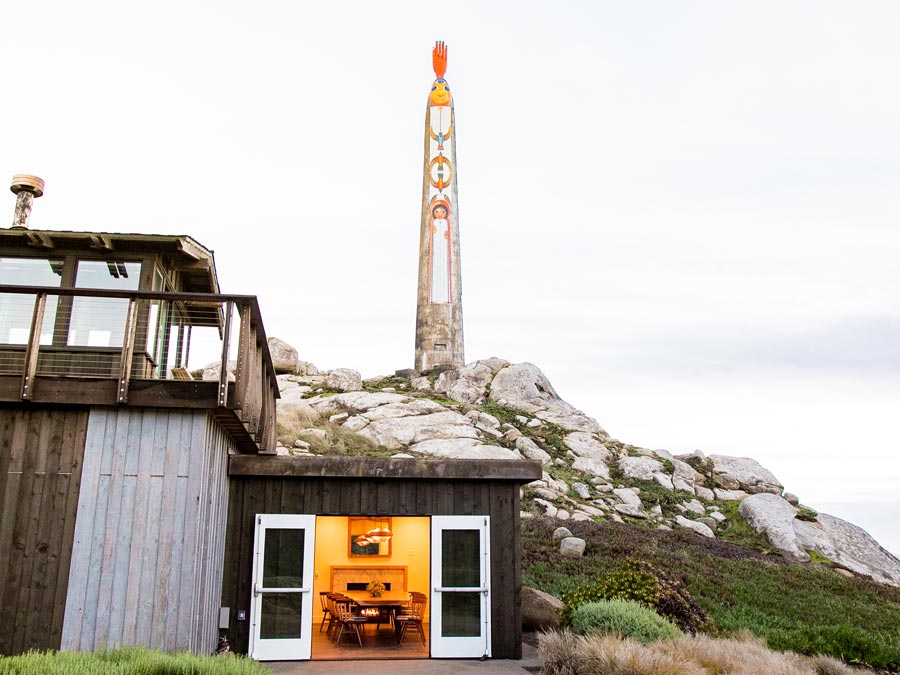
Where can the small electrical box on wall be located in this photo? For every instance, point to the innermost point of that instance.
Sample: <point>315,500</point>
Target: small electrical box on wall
<point>241,615</point>
<point>224,617</point>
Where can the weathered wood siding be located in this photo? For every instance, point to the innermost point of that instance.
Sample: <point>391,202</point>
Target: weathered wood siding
<point>149,538</point>
<point>41,453</point>
<point>393,497</point>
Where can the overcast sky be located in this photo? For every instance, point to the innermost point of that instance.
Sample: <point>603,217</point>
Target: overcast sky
<point>685,213</point>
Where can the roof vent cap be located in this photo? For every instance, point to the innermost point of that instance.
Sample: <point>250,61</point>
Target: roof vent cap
<point>27,189</point>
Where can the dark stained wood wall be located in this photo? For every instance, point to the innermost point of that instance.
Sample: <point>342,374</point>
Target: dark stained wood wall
<point>41,453</point>
<point>389,497</point>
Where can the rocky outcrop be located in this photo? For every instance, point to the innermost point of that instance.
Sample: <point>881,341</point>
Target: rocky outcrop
<point>525,387</point>
<point>744,473</point>
<point>839,541</point>
<point>344,379</point>
<point>400,422</point>
<point>284,357</point>
<point>469,384</point>
<point>850,546</point>
<point>292,403</point>
<point>606,476</point>
<point>772,516</point>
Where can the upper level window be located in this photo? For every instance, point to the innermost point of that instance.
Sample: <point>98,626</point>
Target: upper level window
<point>15,317</point>
<point>100,322</point>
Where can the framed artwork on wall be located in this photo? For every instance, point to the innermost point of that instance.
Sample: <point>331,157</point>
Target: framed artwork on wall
<point>369,537</point>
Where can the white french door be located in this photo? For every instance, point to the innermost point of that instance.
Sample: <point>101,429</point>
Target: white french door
<point>281,610</point>
<point>461,598</point>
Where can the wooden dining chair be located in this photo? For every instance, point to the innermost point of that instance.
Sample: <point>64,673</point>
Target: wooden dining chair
<point>416,617</point>
<point>348,621</point>
<point>330,600</point>
<point>326,610</point>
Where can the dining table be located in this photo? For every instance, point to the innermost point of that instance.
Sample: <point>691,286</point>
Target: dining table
<point>389,602</point>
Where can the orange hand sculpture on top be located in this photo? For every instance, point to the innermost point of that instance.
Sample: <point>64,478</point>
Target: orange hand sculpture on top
<point>439,59</point>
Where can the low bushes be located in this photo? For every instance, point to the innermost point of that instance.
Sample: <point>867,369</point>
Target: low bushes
<point>641,582</point>
<point>624,617</point>
<point>127,661</point>
<point>564,653</point>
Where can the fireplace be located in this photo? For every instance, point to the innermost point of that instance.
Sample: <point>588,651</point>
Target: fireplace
<point>357,577</point>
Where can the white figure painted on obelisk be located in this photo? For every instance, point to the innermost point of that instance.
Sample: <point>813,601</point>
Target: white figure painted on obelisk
<point>439,327</point>
<point>440,251</point>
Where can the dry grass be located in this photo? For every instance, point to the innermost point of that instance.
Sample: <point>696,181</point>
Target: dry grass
<point>564,653</point>
<point>290,423</point>
<point>612,655</point>
<point>826,665</point>
<point>558,652</point>
<point>747,656</point>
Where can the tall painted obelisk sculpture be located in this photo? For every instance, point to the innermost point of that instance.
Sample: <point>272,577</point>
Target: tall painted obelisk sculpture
<point>439,321</point>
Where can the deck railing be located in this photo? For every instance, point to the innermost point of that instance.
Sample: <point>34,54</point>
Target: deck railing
<point>132,337</point>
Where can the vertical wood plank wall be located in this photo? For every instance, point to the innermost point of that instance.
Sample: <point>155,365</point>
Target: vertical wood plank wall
<point>393,497</point>
<point>149,538</point>
<point>41,453</point>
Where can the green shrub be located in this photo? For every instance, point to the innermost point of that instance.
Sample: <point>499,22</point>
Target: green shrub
<point>625,617</point>
<point>654,494</point>
<point>639,581</point>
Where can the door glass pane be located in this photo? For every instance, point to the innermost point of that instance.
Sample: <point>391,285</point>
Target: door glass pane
<point>461,558</point>
<point>100,322</point>
<point>281,615</point>
<point>461,615</point>
<point>283,559</point>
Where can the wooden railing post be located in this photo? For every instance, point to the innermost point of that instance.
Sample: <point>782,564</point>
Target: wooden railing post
<point>34,342</point>
<point>263,407</point>
<point>226,348</point>
<point>242,372</point>
<point>127,354</point>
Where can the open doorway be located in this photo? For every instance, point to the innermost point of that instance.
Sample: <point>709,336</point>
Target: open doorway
<point>404,587</point>
<point>343,566</point>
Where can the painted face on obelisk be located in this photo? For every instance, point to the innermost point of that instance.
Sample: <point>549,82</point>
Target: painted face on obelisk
<point>440,93</point>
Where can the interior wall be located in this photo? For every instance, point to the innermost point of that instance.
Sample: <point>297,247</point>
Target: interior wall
<point>410,547</point>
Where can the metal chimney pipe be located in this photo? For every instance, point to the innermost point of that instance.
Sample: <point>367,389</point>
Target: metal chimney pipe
<point>27,189</point>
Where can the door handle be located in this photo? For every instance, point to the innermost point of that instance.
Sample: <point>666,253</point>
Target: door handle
<point>257,590</point>
<point>441,589</point>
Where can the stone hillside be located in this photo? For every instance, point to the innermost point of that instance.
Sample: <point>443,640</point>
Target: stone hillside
<point>493,409</point>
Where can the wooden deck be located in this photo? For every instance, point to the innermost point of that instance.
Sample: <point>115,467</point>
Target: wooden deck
<point>378,643</point>
<point>242,395</point>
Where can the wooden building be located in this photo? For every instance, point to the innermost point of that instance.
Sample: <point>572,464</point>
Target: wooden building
<point>113,457</point>
<point>141,502</point>
<point>461,545</point>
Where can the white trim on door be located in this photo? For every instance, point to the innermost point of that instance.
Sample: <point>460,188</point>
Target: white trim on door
<point>476,640</point>
<point>296,647</point>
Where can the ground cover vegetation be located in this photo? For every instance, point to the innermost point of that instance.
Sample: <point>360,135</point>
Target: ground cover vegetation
<point>808,609</point>
<point>127,661</point>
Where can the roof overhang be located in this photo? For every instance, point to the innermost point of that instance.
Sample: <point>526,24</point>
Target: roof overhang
<point>344,467</point>
<point>195,262</point>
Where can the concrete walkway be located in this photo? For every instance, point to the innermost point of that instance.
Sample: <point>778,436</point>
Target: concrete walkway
<point>528,665</point>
